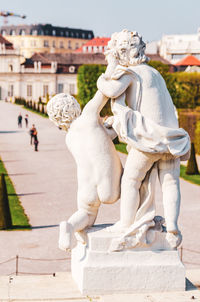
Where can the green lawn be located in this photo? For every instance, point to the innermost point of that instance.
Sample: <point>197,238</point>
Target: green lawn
<point>33,110</point>
<point>195,179</point>
<point>121,148</point>
<point>19,218</point>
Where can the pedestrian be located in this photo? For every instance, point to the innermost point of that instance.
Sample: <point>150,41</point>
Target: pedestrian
<point>32,130</point>
<point>26,120</point>
<point>19,119</point>
<point>36,142</point>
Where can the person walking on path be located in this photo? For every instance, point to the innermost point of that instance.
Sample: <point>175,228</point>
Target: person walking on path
<point>36,142</point>
<point>32,130</point>
<point>26,120</point>
<point>19,119</point>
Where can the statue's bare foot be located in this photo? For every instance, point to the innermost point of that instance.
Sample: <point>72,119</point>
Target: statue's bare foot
<point>81,236</point>
<point>174,238</point>
<point>116,228</point>
<point>65,236</point>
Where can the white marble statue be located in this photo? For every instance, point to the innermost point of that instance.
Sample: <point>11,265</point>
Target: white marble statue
<point>98,165</point>
<point>149,125</point>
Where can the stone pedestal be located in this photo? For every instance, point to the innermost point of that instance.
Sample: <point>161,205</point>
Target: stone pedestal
<point>151,269</point>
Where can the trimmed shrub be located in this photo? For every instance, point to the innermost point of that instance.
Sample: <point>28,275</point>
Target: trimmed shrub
<point>188,85</point>
<point>5,215</point>
<point>192,168</point>
<point>197,138</point>
<point>20,101</point>
<point>188,120</point>
<point>87,78</point>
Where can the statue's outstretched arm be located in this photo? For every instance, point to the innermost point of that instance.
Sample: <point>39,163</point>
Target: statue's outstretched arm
<point>95,104</point>
<point>114,88</point>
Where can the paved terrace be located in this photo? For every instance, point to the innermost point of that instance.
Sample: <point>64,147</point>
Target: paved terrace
<point>46,184</point>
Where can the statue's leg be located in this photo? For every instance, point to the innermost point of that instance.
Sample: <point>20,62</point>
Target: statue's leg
<point>169,171</point>
<point>136,167</point>
<point>76,223</point>
<point>88,205</point>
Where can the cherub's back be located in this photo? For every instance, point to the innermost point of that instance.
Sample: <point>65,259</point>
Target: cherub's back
<point>92,149</point>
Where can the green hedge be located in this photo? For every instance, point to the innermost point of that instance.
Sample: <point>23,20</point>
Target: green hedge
<point>197,138</point>
<point>5,215</point>
<point>87,78</point>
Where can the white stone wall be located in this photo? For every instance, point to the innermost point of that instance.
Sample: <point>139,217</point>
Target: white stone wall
<point>37,81</point>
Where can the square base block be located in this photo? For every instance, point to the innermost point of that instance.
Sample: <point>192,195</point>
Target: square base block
<point>97,271</point>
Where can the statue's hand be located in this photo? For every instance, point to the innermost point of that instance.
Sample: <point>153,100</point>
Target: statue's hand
<point>109,122</point>
<point>111,57</point>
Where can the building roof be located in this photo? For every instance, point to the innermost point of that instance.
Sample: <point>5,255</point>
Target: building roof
<point>157,57</point>
<point>8,45</point>
<point>46,30</point>
<point>76,59</point>
<point>188,61</point>
<point>98,41</point>
<point>67,58</point>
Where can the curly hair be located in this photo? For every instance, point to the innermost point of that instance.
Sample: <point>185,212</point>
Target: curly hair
<point>63,109</point>
<point>131,40</point>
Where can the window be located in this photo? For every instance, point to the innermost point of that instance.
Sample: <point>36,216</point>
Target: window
<point>67,34</point>
<point>12,32</point>
<point>178,56</point>
<point>69,44</point>
<point>11,90</point>
<point>71,69</point>
<point>34,32</point>
<point>22,32</point>
<point>10,68</point>
<point>54,32</point>
<point>45,90</point>
<point>83,35</point>
<point>77,35</point>
<point>29,90</point>
<point>72,89</point>
<point>62,33</point>
<point>60,88</point>
<point>54,44</point>
<point>72,34</point>
<point>33,43</point>
<point>61,44</point>
<point>3,32</point>
<point>89,36</point>
<point>77,45</point>
<point>46,43</point>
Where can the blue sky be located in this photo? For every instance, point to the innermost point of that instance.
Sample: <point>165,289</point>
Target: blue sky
<point>151,18</point>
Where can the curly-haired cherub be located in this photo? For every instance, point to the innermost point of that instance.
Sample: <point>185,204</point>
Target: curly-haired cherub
<point>98,165</point>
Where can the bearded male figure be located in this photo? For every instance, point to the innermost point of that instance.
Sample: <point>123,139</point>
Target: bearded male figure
<point>149,126</point>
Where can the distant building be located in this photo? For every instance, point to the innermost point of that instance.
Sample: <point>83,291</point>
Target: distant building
<point>189,63</point>
<point>44,74</point>
<point>175,47</point>
<point>45,38</point>
<point>10,60</point>
<point>96,45</point>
